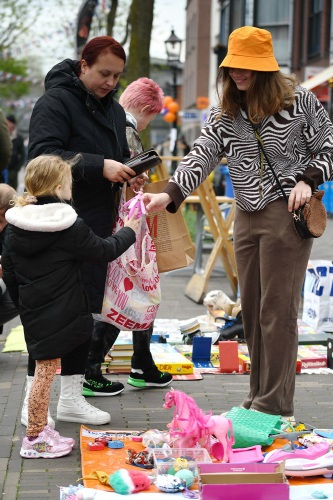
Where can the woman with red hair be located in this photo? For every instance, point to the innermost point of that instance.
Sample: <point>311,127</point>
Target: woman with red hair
<point>78,114</point>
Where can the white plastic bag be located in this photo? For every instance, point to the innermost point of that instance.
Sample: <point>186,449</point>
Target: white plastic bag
<point>132,290</point>
<point>318,295</point>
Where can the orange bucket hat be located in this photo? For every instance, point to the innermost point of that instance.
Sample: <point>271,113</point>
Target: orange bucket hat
<point>250,48</point>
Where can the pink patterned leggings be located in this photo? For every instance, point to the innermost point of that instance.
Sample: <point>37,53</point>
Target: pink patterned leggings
<point>39,396</point>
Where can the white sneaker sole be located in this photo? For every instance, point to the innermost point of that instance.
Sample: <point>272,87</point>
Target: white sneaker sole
<point>84,420</point>
<point>91,393</point>
<point>36,454</point>
<point>148,385</point>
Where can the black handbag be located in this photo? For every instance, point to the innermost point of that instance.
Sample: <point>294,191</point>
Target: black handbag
<point>311,218</point>
<point>144,161</point>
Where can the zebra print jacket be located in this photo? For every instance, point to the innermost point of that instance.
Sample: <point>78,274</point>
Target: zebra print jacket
<point>298,142</point>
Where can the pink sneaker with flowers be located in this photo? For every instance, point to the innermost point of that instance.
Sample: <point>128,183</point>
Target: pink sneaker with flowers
<point>55,435</point>
<point>44,446</point>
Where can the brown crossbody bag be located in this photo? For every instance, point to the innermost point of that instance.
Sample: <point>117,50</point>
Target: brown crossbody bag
<point>311,218</point>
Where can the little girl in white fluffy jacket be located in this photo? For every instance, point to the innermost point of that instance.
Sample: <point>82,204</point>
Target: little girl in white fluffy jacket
<point>45,245</point>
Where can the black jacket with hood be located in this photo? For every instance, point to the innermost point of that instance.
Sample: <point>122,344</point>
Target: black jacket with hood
<point>45,245</point>
<point>66,120</point>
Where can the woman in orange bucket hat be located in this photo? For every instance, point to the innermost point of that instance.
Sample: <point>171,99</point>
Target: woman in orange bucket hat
<point>256,102</point>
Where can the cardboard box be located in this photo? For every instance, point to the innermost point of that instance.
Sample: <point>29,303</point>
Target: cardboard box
<point>257,481</point>
<point>245,362</point>
<point>186,350</point>
<point>312,356</point>
<point>228,350</point>
<point>168,359</point>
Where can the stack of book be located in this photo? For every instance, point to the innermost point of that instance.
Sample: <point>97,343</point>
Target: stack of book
<point>190,326</point>
<point>166,357</point>
<point>312,356</point>
<point>168,329</point>
<point>118,359</point>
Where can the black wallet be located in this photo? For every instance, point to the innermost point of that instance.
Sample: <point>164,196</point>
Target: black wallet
<point>144,161</point>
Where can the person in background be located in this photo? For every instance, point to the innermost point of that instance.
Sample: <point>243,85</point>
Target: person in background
<point>8,311</point>
<point>44,248</point>
<point>297,135</point>
<point>79,114</point>
<point>18,151</point>
<point>142,101</point>
<point>5,148</point>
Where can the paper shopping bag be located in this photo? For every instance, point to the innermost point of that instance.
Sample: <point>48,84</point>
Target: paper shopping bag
<point>318,295</point>
<point>174,247</point>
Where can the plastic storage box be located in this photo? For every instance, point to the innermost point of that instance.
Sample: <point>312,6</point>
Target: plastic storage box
<point>179,458</point>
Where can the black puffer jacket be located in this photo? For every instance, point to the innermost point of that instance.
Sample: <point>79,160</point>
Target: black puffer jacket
<point>43,251</point>
<point>67,120</point>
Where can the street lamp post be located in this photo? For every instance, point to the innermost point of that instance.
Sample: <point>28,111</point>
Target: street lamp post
<point>173,47</point>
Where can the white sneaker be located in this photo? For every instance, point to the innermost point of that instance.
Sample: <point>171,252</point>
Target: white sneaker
<point>73,407</point>
<point>24,411</point>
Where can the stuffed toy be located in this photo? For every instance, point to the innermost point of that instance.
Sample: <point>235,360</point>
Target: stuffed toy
<point>126,482</point>
<point>123,481</point>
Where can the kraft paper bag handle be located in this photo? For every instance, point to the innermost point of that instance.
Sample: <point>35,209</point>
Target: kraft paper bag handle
<point>174,247</point>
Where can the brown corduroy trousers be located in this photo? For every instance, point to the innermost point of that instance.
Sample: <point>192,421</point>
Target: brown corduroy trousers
<point>271,263</point>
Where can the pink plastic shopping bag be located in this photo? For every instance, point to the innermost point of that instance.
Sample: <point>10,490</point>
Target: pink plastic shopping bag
<point>132,290</point>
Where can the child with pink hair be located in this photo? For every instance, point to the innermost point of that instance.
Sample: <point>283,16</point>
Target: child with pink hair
<point>142,100</point>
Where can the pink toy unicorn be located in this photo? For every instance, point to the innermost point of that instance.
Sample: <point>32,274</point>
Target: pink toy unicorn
<point>191,426</point>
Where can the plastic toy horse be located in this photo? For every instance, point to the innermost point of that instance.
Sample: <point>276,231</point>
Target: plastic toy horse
<point>191,426</point>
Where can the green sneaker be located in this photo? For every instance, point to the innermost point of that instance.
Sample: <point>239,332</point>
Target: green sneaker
<point>150,378</point>
<point>101,386</point>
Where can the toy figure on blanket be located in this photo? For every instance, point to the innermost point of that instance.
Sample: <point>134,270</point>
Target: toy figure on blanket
<point>136,203</point>
<point>190,426</point>
<point>141,459</point>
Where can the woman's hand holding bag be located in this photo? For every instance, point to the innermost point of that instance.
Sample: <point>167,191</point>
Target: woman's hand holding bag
<point>132,290</point>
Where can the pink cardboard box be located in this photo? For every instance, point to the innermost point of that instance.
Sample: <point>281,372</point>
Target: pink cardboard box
<point>258,481</point>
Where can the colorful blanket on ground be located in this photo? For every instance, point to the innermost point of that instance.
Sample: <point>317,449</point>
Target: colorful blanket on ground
<point>110,460</point>
<point>15,342</point>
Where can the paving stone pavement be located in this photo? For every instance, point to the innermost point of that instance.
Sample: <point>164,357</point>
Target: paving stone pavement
<point>136,409</point>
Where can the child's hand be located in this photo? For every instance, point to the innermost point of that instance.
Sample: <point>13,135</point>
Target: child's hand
<point>133,222</point>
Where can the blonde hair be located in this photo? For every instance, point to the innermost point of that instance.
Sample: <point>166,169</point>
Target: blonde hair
<point>7,195</point>
<point>268,93</point>
<point>42,176</point>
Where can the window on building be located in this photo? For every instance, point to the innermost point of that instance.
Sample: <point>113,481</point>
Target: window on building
<point>225,22</point>
<point>232,17</point>
<point>315,21</point>
<point>237,14</point>
<point>274,16</point>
